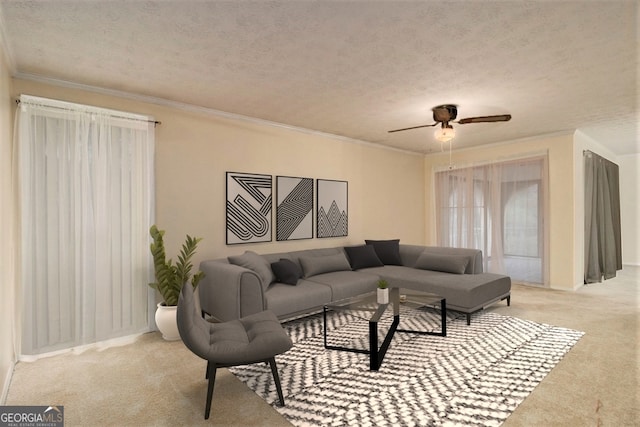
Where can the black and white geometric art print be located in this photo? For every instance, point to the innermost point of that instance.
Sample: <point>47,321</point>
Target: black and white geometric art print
<point>294,208</point>
<point>333,208</point>
<point>249,203</point>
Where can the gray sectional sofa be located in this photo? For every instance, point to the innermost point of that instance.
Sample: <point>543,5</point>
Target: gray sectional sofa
<point>296,283</point>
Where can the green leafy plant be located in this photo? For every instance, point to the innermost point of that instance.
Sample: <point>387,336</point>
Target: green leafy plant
<point>170,278</point>
<point>383,284</point>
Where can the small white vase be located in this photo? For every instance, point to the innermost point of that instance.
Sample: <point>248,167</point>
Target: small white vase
<point>383,296</point>
<point>166,321</point>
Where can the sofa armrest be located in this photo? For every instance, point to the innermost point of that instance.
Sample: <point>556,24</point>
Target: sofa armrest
<point>229,291</point>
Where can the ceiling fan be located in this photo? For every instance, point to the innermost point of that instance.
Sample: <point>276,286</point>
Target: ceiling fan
<point>446,114</point>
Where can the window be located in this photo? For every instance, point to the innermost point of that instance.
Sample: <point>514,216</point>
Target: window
<point>522,221</point>
<point>499,209</point>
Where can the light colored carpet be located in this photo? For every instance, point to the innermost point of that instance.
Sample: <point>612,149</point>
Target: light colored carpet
<point>153,382</point>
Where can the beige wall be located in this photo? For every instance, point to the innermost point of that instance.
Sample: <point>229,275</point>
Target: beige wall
<point>195,148</point>
<point>7,247</point>
<point>630,207</point>
<point>383,188</point>
<point>562,272</point>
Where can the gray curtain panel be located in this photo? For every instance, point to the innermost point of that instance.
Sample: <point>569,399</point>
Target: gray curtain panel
<point>603,245</point>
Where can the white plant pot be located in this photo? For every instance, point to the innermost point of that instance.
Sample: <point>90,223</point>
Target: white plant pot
<point>166,322</point>
<point>383,296</point>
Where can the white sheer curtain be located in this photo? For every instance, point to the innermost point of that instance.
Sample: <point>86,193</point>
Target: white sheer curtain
<point>86,203</point>
<point>498,208</point>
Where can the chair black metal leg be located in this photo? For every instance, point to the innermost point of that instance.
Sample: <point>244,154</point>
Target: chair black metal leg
<point>509,300</point>
<point>211,374</point>
<point>468,319</point>
<point>276,379</point>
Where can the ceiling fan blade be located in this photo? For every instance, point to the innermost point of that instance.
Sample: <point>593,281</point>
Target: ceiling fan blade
<point>413,127</point>
<point>486,119</point>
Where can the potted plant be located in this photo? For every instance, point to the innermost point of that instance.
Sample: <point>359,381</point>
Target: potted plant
<point>170,278</point>
<point>383,292</point>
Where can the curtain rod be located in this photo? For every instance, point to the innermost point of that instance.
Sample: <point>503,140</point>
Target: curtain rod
<point>155,122</point>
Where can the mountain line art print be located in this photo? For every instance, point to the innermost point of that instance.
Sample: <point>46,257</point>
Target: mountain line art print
<point>332,208</point>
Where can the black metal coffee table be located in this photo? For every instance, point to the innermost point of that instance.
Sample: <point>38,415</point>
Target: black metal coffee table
<point>367,303</point>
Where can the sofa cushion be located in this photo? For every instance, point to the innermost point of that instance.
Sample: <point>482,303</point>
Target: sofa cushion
<point>286,271</point>
<point>285,300</point>
<point>363,256</point>
<point>388,251</point>
<point>456,264</point>
<point>324,264</point>
<point>257,263</point>
<point>345,284</point>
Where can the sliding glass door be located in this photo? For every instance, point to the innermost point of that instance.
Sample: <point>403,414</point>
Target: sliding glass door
<point>498,208</point>
<point>86,204</point>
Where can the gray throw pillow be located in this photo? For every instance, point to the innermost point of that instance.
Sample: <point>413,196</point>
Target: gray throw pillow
<point>312,266</point>
<point>257,263</point>
<point>286,271</point>
<point>456,264</point>
<point>387,250</point>
<point>362,257</point>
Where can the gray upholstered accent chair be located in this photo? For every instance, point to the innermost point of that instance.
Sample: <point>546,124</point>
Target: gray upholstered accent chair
<point>252,339</point>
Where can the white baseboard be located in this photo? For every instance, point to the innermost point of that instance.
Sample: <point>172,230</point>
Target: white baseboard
<point>100,345</point>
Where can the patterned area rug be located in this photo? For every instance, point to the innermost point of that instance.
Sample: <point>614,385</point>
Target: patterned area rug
<point>477,375</point>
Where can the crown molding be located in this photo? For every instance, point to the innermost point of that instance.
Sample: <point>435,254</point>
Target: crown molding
<point>506,142</point>
<point>201,110</point>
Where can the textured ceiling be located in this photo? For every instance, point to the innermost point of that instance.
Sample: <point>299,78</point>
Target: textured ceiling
<point>352,68</point>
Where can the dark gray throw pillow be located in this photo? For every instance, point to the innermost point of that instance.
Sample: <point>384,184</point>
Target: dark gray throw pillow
<point>286,271</point>
<point>388,251</point>
<point>456,264</point>
<point>363,256</point>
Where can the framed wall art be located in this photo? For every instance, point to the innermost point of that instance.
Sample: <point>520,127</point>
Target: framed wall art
<point>248,211</point>
<point>294,208</point>
<point>332,208</point>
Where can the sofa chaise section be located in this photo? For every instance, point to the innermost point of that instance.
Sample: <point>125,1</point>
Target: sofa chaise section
<point>466,293</point>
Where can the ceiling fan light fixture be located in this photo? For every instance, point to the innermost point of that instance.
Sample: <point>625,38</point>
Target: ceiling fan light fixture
<point>445,133</point>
